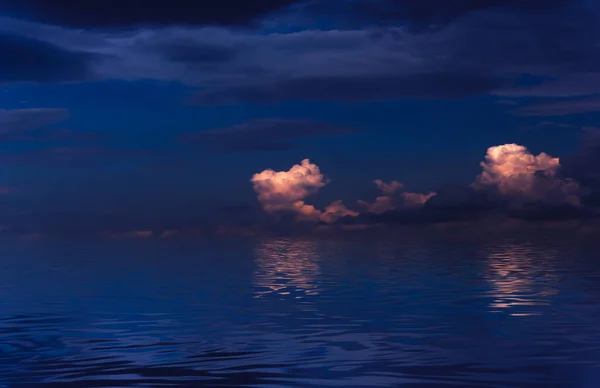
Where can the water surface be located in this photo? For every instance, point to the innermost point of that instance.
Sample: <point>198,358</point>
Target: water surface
<point>300,313</point>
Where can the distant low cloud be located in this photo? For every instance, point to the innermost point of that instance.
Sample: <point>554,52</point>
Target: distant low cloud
<point>393,198</point>
<point>18,121</point>
<point>270,134</point>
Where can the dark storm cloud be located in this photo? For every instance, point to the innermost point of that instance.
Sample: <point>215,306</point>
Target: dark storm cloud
<point>483,47</point>
<point>18,121</point>
<point>31,60</point>
<point>353,89</point>
<point>128,13</point>
<point>270,134</point>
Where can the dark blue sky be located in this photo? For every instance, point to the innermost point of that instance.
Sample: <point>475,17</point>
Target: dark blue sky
<point>156,114</point>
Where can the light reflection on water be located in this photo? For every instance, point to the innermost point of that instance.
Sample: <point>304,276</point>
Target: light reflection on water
<point>287,268</point>
<point>299,313</point>
<point>522,276</point>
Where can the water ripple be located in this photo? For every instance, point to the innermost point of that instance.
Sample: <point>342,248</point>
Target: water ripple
<point>296,313</point>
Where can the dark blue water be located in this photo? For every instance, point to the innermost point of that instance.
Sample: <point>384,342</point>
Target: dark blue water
<point>300,313</point>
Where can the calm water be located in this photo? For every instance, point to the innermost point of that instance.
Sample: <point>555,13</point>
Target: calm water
<point>300,313</point>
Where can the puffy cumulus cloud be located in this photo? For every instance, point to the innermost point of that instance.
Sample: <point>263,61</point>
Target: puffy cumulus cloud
<point>284,192</point>
<point>393,198</point>
<point>511,171</point>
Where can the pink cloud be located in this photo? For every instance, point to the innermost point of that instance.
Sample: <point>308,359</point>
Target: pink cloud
<point>416,199</point>
<point>285,191</point>
<point>391,200</point>
<point>335,211</point>
<point>381,205</point>
<point>388,188</point>
<point>514,171</point>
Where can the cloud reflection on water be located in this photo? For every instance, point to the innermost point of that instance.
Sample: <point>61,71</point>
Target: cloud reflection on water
<point>521,281</point>
<point>286,268</point>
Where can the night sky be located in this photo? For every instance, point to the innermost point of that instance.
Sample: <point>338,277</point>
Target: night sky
<point>164,118</point>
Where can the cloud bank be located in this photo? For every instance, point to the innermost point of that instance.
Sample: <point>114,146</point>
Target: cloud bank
<point>514,184</point>
<point>364,50</point>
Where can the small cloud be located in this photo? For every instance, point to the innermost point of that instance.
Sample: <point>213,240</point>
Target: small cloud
<point>335,211</point>
<point>388,188</point>
<point>392,199</point>
<point>416,199</point>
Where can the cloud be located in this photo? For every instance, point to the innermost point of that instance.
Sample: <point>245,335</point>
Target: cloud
<point>562,108</point>
<point>18,121</point>
<point>475,48</point>
<point>270,134</point>
<point>416,199</point>
<point>128,13</point>
<point>352,88</point>
<point>31,60</point>
<point>393,198</point>
<point>388,188</point>
<point>511,171</point>
<point>335,211</point>
<point>284,192</point>
<point>514,185</point>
